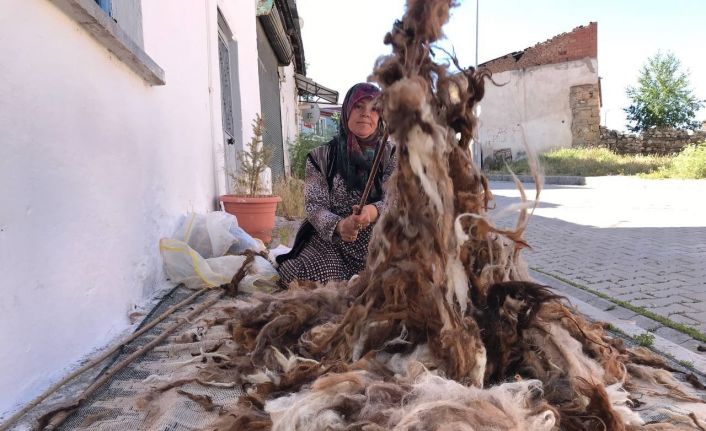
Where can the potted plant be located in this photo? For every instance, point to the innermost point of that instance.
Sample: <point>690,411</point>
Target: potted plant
<point>252,204</point>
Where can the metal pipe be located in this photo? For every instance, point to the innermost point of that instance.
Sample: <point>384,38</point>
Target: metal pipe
<point>477,1</point>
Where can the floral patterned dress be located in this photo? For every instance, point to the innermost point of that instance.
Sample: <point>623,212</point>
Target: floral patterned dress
<point>325,256</point>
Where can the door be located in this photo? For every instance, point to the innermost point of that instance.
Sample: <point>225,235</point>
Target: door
<point>269,102</point>
<point>230,99</point>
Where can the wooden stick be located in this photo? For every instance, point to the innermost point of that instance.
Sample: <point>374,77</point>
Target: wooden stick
<point>96,361</point>
<point>373,171</point>
<point>64,412</point>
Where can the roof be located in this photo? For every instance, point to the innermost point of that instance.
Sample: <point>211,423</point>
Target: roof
<point>579,43</point>
<point>309,86</point>
<point>280,20</point>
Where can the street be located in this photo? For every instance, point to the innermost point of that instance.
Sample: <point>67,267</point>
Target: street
<point>638,241</point>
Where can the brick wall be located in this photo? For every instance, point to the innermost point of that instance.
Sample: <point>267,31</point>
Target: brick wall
<point>658,141</point>
<point>584,101</point>
<point>579,43</point>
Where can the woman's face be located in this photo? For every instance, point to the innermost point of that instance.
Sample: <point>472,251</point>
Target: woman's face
<point>363,120</point>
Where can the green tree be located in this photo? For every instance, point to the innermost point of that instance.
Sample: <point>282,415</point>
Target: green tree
<point>663,96</point>
<point>299,150</point>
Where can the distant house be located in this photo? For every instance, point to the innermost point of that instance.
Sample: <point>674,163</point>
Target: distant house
<point>327,124</point>
<point>117,118</point>
<point>319,108</point>
<point>550,97</point>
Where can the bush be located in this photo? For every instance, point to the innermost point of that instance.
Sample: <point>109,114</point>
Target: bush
<point>299,151</point>
<point>291,190</point>
<point>645,339</point>
<point>690,163</point>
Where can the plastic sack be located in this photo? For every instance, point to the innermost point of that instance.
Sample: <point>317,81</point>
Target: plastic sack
<point>214,234</point>
<point>278,251</point>
<point>195,255</point>
<point>244,241</point>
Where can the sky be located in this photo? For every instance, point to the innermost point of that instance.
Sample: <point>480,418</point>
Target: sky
<point>342,38</point>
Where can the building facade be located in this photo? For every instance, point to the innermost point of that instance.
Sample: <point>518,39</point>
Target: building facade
<point>118,117</point>
<point>548,97</point>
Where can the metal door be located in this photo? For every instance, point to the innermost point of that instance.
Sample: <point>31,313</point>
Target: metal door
<point>270,102</point>
<point>230,103</point>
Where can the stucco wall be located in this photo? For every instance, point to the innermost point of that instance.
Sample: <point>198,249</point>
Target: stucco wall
<point>290,111</point>
<point>532,106</point>
<point>95,167</point>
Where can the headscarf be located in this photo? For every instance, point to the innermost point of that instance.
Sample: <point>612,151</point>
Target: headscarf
<point>355,156</point>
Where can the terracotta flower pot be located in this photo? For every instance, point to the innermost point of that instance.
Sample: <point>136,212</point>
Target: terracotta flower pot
<point>256,215</point>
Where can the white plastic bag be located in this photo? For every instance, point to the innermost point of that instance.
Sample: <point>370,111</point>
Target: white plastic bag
<point>244,241</point>
<point>207,234</point>
<point>215,233</point>
<point>195,255</point>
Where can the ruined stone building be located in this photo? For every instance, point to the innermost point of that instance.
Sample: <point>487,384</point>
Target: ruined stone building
<point>550,98</point>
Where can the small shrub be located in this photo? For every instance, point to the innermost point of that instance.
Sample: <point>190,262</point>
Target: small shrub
<point>299,150</point>
<point>252,162</point>
<point>687,364</point>
<point>645,339</point>
<point>291,190</point>
<point>690,163</point>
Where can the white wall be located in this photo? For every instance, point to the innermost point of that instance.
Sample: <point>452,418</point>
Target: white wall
<point>95,167</point>
<point>533,105</point>
<point>290,109</point>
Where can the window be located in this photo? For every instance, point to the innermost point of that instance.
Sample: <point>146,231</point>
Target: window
<point>117,25</point>
<point>106,6</point>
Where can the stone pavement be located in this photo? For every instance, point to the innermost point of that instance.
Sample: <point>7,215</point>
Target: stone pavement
<point>638,241</point>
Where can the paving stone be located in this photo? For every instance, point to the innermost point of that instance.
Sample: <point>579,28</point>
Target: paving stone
<point>671,309</point>
<point>601,303</point>
<point>683,319</point>
<point>658,303</point>
<point>645,322</point>
<point>622,313</point>
<point>580,294</point>
<point>693,345</point>
<point>672,335</point>
<point>631,296</point>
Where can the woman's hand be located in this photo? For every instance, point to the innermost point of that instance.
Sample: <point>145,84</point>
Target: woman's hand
<point>367,215</point>
<point>347,229</point>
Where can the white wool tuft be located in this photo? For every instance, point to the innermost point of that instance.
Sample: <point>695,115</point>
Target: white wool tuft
<point>455,273</point>
<point>566,352</point>
<point>262,377</point>
<point>312,410</point>
<point>421,146</point>
<point>618,397</point>
<point>478,372</point>
<point>288,362</point>
<point>514,401</point>
<point>400,363</point>
<point>457,283</point>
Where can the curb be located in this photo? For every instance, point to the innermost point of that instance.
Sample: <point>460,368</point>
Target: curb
<point>623,319</point>
<point>564,180</point>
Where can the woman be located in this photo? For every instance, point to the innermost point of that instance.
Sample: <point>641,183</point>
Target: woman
<point>332,244</point>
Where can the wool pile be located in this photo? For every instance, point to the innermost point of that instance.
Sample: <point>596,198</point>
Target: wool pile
<point>443,330</point>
